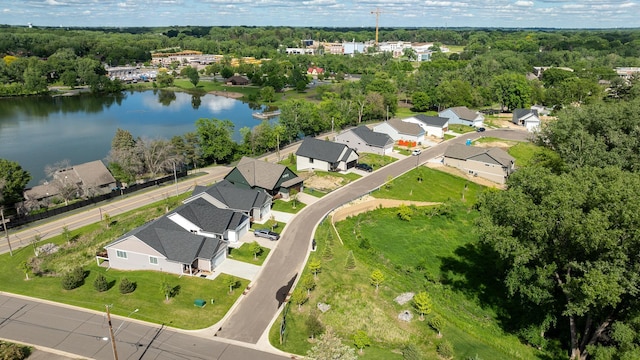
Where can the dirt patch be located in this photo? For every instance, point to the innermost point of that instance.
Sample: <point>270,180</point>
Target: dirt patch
<point>368,203</point>
<point>499,144</point>
<point>323,183</point>
<point>462,174</point>
<point>229,94</point>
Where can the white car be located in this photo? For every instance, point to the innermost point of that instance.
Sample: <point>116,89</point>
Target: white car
<point>416,152</point>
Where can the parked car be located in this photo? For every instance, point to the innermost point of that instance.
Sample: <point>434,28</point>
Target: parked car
<point>365,167</point>
<point>416,152</point>
<point>267,234</point>
<point>481,129</point>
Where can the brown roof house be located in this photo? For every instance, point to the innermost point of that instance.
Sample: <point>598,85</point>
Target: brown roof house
<point>490,163</point>
<point>237,80</point>
<point>275,179</point>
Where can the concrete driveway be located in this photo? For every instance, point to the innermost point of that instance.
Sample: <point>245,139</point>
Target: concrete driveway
<point>236,268</point>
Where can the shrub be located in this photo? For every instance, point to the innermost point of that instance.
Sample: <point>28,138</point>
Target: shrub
<point>127,286</point>
<point>100,283</point>
<point>445,349</point>
<point>405,212</point>
<point>73,279</point>
<point>314,326</point>
<point>411,352</point>
<point>13,351</point>
<point>350,263</point>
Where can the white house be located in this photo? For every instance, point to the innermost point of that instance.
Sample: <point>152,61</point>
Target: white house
<point>527,118</point>
<point>365,140</point>
<point>462,115</point>
<point>432,125</point>
<point>400,130</point>
<point>314,154</point>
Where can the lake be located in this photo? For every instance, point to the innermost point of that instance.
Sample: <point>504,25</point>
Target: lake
<point>37,131</point>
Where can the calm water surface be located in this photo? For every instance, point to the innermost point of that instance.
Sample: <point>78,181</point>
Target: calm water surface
<point>39,131</point>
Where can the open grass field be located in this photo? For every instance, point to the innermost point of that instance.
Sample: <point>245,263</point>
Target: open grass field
<point>431,252</point>
<point>81,250</point>
<point>524,153</point>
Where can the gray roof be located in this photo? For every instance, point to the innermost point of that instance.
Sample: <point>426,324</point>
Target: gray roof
<point>210,218</point>
<point>436,121</point>
<point>464,113</point>
<point>174,242</point>
<point>519,113</point>
<point>234,197</point>
<point>404,127</point>
<point>493,155</point>
<point>91,174</point>
<point>371,137</point>
<point>260,173</point>
<point>324,150</point>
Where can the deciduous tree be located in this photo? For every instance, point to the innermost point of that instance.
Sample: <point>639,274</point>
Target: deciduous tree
<point>215,139</point>
<point>422,303</point>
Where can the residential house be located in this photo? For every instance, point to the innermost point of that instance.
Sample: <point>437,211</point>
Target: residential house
<point>276,179</point>
<point>237,80</point>
<point>462,115</point>
<point>365,140</point>
<point>314,154</point>
<point>190,239</point>
<point>490,163</point>
<point>255,203</point>
<point>432,125</point>
<point>315,71</point>
<point>400,130</point>
<point>527,118</point>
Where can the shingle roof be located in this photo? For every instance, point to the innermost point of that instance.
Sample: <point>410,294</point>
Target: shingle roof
<point>464,113</point>
<point>208,217</point>
<point>404,127</point>
<point>371,137</point>
<point>234,197</point>
<point>464,152</point>
<point>519,113</point>
<point>260,173</point>
<point>436,121</point>
<point>91,174</point>
<point>324,150</point>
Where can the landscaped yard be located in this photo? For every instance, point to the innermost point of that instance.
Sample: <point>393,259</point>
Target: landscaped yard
<point>81,250</point>
<point>461,129</point>
<point>289,206</point>
<point>434,251</point>
<point>245,253</point>
<point>375,160</point>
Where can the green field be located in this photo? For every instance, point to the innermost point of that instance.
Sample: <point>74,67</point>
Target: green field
<point>434,252</point>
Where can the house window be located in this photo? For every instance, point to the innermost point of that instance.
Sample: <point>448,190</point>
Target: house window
<point>310,161</point>
<point>121,254</point>
<point>153,260</point>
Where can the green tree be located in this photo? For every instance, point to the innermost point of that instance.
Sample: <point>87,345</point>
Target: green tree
<point>166,289</point>
<point>376,278</point>
<point>512,91</point>
<point>361,340</point>
<point>308,283</point>
<point>314,325</point>
<point>127,286</point>
<point>445,349</point>
<point>570,257</point>
<point>420,101</point>
<point>192,74</point>
<point>411,352</point>
<point>299,297</point>
<point>66,234</point>
<point>315,265</point>
<point>255,249</point>
<point>26,268</point>
<point>231,282</point>
<point>436,322</point>
<point>14,180</point>
<point>164,79</point>
<point>422,303</point>
<point>330,347</point>
<point>215,139</point>
<point>350,262</point>
<point>100,283</point>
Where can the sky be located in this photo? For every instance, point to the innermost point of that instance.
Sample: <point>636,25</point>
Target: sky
<point>324,13</point>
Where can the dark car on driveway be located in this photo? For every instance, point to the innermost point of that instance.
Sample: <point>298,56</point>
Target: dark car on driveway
<point>365,167</point>
<point>481,129</point>
<point>267,234</point>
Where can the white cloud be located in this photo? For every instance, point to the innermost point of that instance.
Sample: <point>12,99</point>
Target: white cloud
<point>523,3</point>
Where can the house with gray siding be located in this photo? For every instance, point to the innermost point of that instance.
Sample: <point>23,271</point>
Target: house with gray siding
<point>315,154</point>
<point>490,163</point>
<point>276,179</point>
<point>432,125</point>
<point>401,130</point>
<point>255,203</point>
<point>462,115</point>
<point>527,118</point>
<point>191,239</point>
<point>364,140</point>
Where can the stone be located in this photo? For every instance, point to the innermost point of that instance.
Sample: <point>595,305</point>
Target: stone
<point>404,298</point>
<point>405,316</point>
<point>324,307</point>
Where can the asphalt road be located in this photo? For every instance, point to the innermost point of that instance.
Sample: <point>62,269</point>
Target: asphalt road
<point>86,334</point>
<point>252,317</point>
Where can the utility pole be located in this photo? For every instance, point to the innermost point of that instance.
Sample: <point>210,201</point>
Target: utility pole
<point>6,232</point>
<point>175,177</point>
<point>113,338</point>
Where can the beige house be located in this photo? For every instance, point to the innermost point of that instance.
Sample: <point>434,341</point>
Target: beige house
<point>490,163</point>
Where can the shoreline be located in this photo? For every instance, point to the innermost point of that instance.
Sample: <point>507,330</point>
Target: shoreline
<point>227,94</point>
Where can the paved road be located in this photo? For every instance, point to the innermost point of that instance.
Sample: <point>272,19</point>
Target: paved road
<point>83,333</point>
<point>251,319</point>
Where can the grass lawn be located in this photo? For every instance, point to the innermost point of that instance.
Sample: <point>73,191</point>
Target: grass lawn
<point>524,153</point>
<point>275,226</point>
<point>243,253</point>
<point>348,177</point>
<point>288,206</point>
<point>178,312</point>
<point>433,253</point>
<point>375,160</point>
<point>448,136</point>
<point>490,139</point>
<point>435,186</point>
<point>461,129</point>
<point>402,151</point>
<point>314,192</point>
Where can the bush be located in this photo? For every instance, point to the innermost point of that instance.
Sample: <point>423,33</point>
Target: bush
<point>127,286</point>
<point>411,352</point>
<point>100,283</point>
<point>73,279</point>
<point>445,349</point>
<point>13,351</point>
